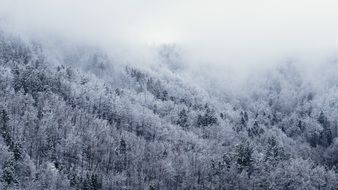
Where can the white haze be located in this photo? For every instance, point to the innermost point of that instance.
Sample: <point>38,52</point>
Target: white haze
<point>222,40</point>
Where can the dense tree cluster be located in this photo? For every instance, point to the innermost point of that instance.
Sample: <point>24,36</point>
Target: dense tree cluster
<point>69,126</point>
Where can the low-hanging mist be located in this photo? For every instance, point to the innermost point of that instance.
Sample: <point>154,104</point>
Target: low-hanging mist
<point>168,95</point>
<point>241,34</point>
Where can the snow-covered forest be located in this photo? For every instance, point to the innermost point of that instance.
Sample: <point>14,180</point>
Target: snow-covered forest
<point>78,121</point>
<point>78,114</point>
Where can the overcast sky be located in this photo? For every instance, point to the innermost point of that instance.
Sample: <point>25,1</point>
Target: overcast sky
<point>219,32</point>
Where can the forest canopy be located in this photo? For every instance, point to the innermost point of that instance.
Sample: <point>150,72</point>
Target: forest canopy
<point>81,120</point>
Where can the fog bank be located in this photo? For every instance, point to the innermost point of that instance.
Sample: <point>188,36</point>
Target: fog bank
<point>221,39</point>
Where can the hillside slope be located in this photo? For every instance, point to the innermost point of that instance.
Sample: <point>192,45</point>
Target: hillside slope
<point>85,122</point>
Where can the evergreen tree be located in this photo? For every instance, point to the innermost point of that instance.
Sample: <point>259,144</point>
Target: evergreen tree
<point>326,134</point>
<point>183,119</point>
<point>244,157</point>
<point>207,119</point>
<point>8,174</point>
<point>274,153</point>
